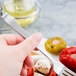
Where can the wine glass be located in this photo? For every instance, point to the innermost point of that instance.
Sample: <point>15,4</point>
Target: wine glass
<point>24,11</point>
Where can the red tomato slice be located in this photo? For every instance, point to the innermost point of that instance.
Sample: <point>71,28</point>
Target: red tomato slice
<point>30,71</point>
<point>67,57</point>
<point>52,73</point>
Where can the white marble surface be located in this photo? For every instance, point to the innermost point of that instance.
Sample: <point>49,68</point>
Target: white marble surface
<point>57,18</point>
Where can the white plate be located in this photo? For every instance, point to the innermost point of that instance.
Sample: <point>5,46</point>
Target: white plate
<point>37,57</point>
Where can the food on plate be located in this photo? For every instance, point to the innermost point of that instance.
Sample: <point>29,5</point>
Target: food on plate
<point>43,66</point>
<point>68,58</point>
<point>38,74</point>
<point>34,53</point>
<point>55,45</point>
<point>30,71</point>
<point>52,73</point>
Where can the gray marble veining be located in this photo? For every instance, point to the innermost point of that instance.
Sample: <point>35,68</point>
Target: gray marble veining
<point>57,18</point>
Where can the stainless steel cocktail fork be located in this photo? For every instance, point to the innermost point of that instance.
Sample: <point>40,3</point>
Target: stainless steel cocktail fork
<point>59,68</point>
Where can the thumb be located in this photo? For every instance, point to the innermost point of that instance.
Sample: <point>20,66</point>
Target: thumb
<point>29,44</point>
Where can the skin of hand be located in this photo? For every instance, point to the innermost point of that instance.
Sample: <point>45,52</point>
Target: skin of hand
<point>15,53</point>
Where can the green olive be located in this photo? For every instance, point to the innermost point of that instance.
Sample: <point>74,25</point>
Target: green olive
<point>55,45</point>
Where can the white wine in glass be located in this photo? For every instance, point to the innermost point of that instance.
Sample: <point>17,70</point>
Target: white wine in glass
<point>19,9</point>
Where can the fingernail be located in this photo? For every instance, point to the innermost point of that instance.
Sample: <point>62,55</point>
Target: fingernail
<point>37,36</point>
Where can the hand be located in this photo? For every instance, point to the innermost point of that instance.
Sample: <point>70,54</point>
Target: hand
<point>15,54</point>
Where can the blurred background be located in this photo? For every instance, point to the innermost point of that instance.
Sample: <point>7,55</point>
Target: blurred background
<point>56,18</point>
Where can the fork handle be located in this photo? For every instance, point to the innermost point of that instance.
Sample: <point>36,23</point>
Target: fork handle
<point>11,22</point>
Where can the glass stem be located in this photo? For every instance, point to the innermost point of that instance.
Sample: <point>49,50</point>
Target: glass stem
<point>0,8</point>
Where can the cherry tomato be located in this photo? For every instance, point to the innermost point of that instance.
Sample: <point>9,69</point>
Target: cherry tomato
<point>68,58</point>
<point>30,71</point>
<point>52,73</point>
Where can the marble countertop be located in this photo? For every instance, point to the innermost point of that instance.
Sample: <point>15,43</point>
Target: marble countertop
<point>57,18</point>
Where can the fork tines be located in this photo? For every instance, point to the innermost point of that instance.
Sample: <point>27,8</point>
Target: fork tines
<point>67,72</point>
